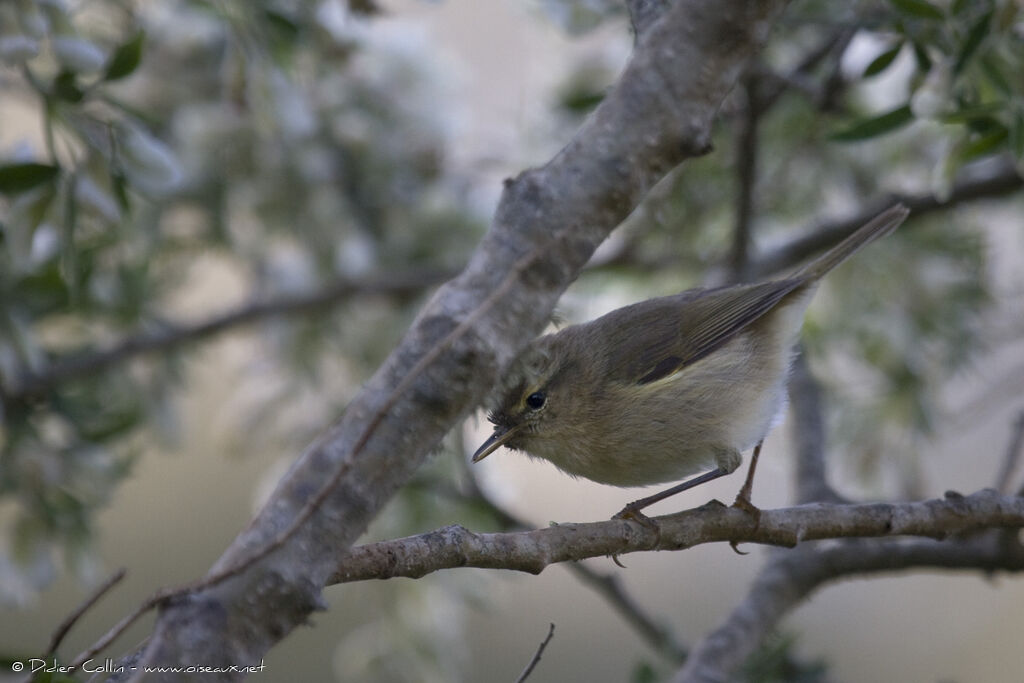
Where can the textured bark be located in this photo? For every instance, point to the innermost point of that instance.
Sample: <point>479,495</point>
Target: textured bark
<point>532,551</point>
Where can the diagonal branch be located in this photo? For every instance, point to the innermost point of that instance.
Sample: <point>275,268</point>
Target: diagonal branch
<point>533,551</point>
<point>1003,181</point>
<point>537,655</point>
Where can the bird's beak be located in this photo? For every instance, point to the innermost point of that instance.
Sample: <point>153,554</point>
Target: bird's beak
<point>500,436</point>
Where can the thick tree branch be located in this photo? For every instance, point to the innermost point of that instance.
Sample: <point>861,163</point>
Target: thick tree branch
<point>548,223</point>
<point>790,577</point>
<point>533,551</point>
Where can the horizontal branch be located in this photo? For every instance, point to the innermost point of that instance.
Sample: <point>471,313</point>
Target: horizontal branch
<point>825,234</point>
<point>172,336</point>
<point>532,551</point>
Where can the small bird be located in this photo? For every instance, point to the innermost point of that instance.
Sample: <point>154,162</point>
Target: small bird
<point>665,388</point>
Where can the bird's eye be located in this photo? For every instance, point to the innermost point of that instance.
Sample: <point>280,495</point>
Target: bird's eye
<point>535,401</point>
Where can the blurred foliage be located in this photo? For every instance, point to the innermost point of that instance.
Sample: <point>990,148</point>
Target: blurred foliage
<point>292,144</point>
<point>282,139</point>
<point>774,662</point>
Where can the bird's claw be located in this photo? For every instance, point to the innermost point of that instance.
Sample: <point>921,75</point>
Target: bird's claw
<point>743,503</point>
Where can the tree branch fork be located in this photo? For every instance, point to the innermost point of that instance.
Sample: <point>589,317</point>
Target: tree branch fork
<point>947,520</point>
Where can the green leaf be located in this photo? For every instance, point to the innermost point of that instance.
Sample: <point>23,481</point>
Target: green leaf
<point>982,146</point>
<point>119,183</point>
<point>125,59</point>
<point>924,62</point>
<point>581,101</point>
<point>882,61</point>
<point>15,178</point>
<point>875,126</point>
<point>918,8</point>
<point>287,28</point>
<point>974,38</point>
<point>65,87</point>
<point>995,75</point>
<point>980,111</point>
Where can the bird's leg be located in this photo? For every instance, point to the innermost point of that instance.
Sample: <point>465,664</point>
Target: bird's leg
<point>632,511</point>
<point>743,501</point>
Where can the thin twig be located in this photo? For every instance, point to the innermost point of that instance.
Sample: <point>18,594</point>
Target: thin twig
<point>1005,180</point>
<point>1012,457</point>
<point>536,655</point>
<point>773,86</point>
<point>998,183</point>
<point>120,627</point>
<point>69,621</point>
<point>86,364</point>
<point>608,586</point>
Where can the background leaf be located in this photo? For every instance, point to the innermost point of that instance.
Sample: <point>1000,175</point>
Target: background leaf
<point>125,59</point>
<point>876,125</point>
<point>15,178</point>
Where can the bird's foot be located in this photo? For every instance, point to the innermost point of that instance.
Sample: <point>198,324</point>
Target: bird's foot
<point>742,502</point>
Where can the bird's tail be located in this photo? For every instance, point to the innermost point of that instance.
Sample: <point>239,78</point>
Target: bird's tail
<point>879,226</point>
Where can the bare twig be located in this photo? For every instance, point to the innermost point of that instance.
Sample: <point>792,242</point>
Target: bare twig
<point>657,635</point>
<point>87,364</point>
<point>62,629</point>
<point>537,655</point>
<point>1012,457</point>
<point>998,183</point>
<point>831,49</point>
<point>1001,182</point>
<point>790,577</point>
<point>533,551</point>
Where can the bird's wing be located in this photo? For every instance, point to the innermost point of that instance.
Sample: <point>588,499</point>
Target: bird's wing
<point>657,341</point>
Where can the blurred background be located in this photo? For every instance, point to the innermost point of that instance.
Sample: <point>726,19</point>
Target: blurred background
<point>218,218</point>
